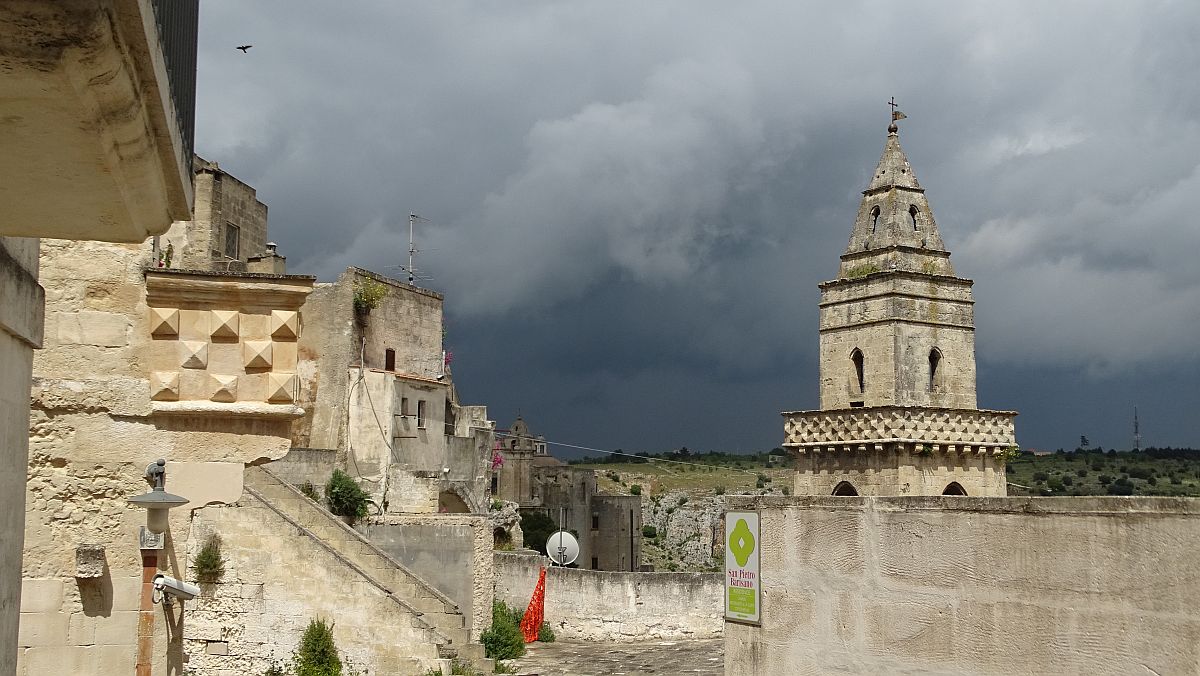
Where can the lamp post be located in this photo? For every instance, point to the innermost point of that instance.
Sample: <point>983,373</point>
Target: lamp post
<point>158,501</point>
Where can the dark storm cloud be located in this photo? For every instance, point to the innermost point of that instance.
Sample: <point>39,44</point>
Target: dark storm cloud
<point>631,204</point>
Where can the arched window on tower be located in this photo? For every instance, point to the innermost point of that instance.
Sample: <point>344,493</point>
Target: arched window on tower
<point>874,217</point>
<point>935,361</point>
<point>856,358</point>
<point>954,488</point>
<point>845,488</point>
<point>912,213</point>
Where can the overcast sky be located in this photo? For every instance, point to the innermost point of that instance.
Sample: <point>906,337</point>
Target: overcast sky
<point>631,204</point>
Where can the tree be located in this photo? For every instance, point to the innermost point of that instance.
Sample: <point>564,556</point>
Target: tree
<point>536,527</point>
<point>317,654</point>
<point>1083,442</point>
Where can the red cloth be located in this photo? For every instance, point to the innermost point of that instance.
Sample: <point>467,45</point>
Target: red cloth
<point>531,623</point>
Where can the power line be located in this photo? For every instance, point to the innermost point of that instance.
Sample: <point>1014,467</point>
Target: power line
<point>628,455</point>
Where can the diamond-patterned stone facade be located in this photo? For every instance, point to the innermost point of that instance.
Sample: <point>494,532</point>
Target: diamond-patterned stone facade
<point>164,322</point>
<point>224,388</point>
<point>224,324</point>
<point>164,386</point>
<point>193,354</point>
<point>257,354</point>
<point>853,427</point>
<point>281,388</point>
<point>285,325</point>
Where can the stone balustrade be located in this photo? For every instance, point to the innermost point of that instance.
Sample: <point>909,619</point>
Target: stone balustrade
<point>941,429</point>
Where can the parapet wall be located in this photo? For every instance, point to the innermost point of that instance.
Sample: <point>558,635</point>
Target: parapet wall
<point>957,585</point>
<point>595,605</point>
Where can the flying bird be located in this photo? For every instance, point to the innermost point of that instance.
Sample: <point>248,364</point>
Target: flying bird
<point>244,48</point>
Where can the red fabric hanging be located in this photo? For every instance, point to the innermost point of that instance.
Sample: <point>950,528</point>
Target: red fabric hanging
<point>531,624</point>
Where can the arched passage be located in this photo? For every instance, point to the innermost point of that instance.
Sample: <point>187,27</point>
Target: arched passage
<point>450,502</point>
<point>845,488</point>
<point>954,488</point>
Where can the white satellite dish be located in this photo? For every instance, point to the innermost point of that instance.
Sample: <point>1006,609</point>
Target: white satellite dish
<point>562,548</point>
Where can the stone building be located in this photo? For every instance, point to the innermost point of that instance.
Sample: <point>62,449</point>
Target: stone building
<point>381,397</point>
<point>897,361</point>
<point>609,526</point>
<point>99,101</point>
<point>228,228</point>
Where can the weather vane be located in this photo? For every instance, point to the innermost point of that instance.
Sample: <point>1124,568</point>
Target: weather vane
<point>896,115</point>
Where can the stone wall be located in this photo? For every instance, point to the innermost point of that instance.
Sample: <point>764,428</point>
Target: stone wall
<point>301,465</point>
<point>453,553</point>
<point>895,319</point>
<point>617,539</point>
<point>973,586</point>
<point>592,605</point>
<point>20,332</point>
<point>193,367</point>
<point>900,469</point>
<point>276,580</point>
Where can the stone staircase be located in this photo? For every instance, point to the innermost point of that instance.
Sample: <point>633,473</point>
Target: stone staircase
<point>431,607</point>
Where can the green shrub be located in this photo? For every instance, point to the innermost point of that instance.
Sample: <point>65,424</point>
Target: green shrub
<point>310,491</point>
<point>274,670</point>
<point>503,640</point>
<point>537,527</point>
<point>502,668</point>
<point>759,484</point>
<point>546,634</point>
<point>344,496</point>
<point>787,490</point>
<point>368,293</point>
<point>210,565</point>
<point>649,531</point>
<point>317,654</point>
<point>635,489</point>
<point>1105,479</point>
<point>683,500</point>
<point>719,490</point>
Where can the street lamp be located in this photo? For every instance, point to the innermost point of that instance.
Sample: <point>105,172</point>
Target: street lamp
<point>158,501</point>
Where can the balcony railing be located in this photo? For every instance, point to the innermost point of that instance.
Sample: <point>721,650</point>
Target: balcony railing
<point>178,22</point>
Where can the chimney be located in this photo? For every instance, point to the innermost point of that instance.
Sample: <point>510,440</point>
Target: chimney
<point>270,262</point>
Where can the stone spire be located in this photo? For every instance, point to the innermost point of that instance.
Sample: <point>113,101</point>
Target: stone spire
<point>895,228</point>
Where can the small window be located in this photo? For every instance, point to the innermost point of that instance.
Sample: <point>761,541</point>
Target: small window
<point>495,484</point>
<point>954,488</point>
<point>232,240</point>
<point>389,359</point>
<point>857,358</point>
<point>595,522</point>
<point>421,414</point>
<point>935,360</point>
<point>845,488</point>
<point>404,406</point>
<point>912,213</point>
<point>595,563</point>
<point>874,217</point>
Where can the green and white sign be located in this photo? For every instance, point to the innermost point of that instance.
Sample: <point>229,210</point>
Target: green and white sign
<point>743,587</point>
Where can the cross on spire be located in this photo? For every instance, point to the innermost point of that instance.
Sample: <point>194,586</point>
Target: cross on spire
<point>893,104</point>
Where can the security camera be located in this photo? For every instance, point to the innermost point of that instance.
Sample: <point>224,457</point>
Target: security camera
<point>441,376</point>
<point>170,587</point>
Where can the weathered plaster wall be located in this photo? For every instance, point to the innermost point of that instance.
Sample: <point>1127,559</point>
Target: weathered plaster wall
<point>594,605</point>
<point>20,333</point>
<point>451,552</point>
<point>973,586</point>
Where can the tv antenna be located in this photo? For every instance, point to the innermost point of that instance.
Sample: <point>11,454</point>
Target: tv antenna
<point>413,275</point>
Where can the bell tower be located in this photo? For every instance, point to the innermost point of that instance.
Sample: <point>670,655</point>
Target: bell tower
<point>897,373</point>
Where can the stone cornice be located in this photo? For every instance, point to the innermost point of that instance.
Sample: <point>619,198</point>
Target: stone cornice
<point>943,279</point>
<point>239,409</point>
<point>200,289</point>
<point>879,427</point>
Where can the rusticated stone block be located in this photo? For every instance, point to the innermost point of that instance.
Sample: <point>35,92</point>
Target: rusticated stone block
<point>224,388</point>
<point>164,386</point>
<point>257,354</point>
<point>224,324</point>
<point>164,322</point>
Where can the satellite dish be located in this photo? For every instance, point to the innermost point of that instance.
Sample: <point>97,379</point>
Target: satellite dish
<point>562,548</point>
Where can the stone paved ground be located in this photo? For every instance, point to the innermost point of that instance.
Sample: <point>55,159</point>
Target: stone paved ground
<point>663,658</point>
